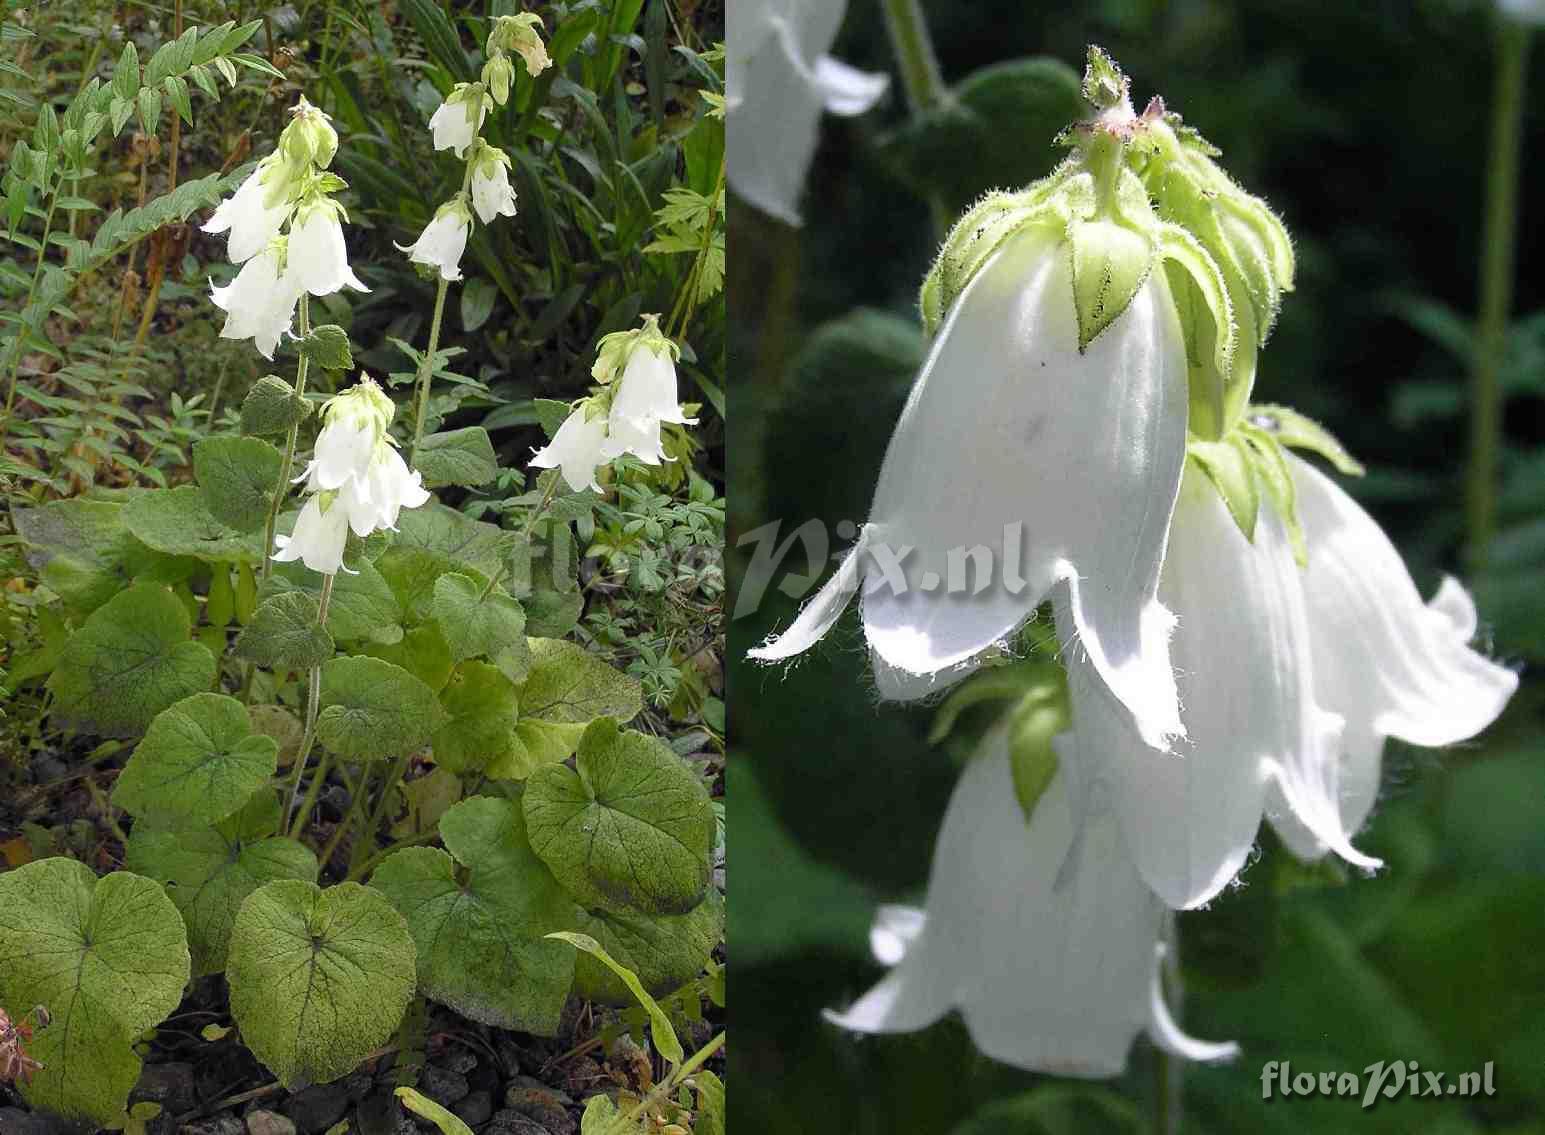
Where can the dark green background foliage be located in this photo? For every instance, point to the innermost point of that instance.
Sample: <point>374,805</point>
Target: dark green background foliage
<point>1365,126</point>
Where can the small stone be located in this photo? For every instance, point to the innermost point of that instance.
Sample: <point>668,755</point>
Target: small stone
<point>475,1109</point>
<point>442,1085</point>
<point>357,1085</point>
<point>461,1060</point>
<point>221,1125</point>
<point>514,1123</point>
<point>509,1056</point>
<point>268,1123</point>
<point>170,1085</point>
<point>317,1108</point>
<point>581,1076</point>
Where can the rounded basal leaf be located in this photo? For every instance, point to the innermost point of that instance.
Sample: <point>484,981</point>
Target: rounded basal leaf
<point>443,530</point>
<point>130,660</point>
<point>457,457</point>
<point>200,761</point>
<point>482,709</point>
<point>209,872</point>
<point>479,936</point>
<point>566,683</point>
<point>472,623</point>
<point>411,573</point>
<point>238,476</point>
<point>665,951</point>
<point>362,607</point>
<point>108,959</point>
<point>272,407</point>
<point>82,550</point>
<point>372,710</point>
<point>319,979</point>
<point>534,744</point>
<point>551,612</point>
<point>422,653</point>
<point>179,523</point>
<point>284,634</point>
<point>630,830</point>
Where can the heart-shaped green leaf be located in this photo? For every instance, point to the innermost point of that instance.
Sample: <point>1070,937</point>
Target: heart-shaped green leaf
<point>569,684</point>
<point>373,710</point>
<point>457,457</point>
<point>482,709</point>
<point>130,660</point>
<point>238,476</point>
<point>209,872</point>
<point>271,407</point>
<point>631,829</point>
<point>199,762</point>
<point>479,937</point>
<point>284,634</point>
<point>475,624</point>
<point>318,978</point>
<point>179,523</point>
<point>665,951</point>
<point>362,607</point>
<point>108,959</point>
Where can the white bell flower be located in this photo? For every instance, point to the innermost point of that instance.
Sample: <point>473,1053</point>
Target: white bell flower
<point>256,212</point>
<point>318,259</point>
<point>443,240</point>
<point>260,302</point>
<point>1054,975</point>
<point>1388,664</point>
<point>318,538</point>
<point>577,448</point>
<point>1043,470</point>
<point>1289,678</point>
<point>459,118</point>
<point>387,487</point>
<point>643,398</point>
<point>778,81</point>
<point>491,193</point>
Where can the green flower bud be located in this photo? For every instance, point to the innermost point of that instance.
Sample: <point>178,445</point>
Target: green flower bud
<point>309,140</point>
<point>498,73</point>
<point>521,34</point>
<point>363,406</point>
<point>613,351</point>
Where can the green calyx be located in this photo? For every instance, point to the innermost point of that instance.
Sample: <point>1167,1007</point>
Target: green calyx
<point>1249,463</point>
<point>522,34</point>
<point>498,74</point>
<point>363,406</point>
<point>614,350</point>
<point>309,140</point>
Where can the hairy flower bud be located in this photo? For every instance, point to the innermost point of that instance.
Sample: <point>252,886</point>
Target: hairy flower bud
<point>522,34</point>
<point>498,74</point>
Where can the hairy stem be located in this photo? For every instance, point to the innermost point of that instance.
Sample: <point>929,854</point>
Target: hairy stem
<point>289,447</point>
<point>919,74</point>
<point>314,697</point>
<point>1496,291</point>
<point>426,369</point>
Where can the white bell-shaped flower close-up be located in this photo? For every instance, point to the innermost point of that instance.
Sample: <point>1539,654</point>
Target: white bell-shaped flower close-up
<point>1022,466</point>
<point>459,118</point>
<point>644,397</point>
<point>778,81</point>
<point>318,538</point>
<point>1289,678</point>
<point>1051,975</point>
<point>443,240</point>
<point>387,486</point>
<point>259,304</point>
<point>492,195</point>
<point>255,213</point>
<point>577,448</point>
<point>318,259</point>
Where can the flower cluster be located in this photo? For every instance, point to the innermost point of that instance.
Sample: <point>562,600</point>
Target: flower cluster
<point>456,124</point>
<point>290,186</point>
<point>1239,636</point>
<point>637,373</point>
<point>356,478</point>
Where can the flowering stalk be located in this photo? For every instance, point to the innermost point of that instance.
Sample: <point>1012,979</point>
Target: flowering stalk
<point>289,445</point>
<point>314,697</point>
<point>1496,288</point>
<point>920,76</point>
<point>426,365</point>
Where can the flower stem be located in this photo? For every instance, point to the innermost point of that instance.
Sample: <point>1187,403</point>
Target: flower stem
<point>1496,289</point>
<point>919,75</point>
<point>426,368</point>
<point>20,342</point>
<point>314,696</point>
<point>289,447</point>
<point>396,773</point>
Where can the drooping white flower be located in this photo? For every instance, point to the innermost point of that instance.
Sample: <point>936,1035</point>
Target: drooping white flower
<point>522,34</point>
<point>459,118</point>
<point>778,81</point>
<point>318,259</point>
<point>577,448</point>
<point>255,213</point>
<point>260,302</point>
<point>387,487</point>
<point>443,240</point>
<point>1289,678</point>
<point>319,536</point>
<point>643,398</point>
<point>1052,975</point>
<point>491,193</point>
<point>1023,468</point>
<point>1388,664</point>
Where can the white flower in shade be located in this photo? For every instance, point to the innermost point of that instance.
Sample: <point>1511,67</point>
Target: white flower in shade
<point>1289,679</point>
<point>459,118</point>
<point>1024,469</point>
<point>387,487</point>
<point>260,302</point>
<point>319,536</point>
<point>443,240</point>
<point>318,260</point>
<point>778,81</point>
<point>643,398</point>
<point>491,193</point>
<point>255,213</point>
<point>577,448</point>
<point>1051,974</point>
